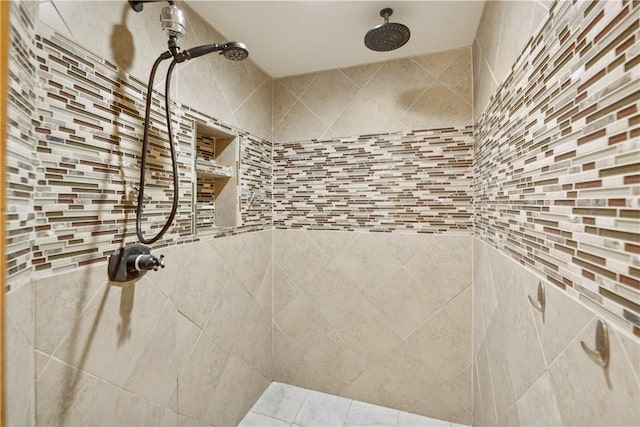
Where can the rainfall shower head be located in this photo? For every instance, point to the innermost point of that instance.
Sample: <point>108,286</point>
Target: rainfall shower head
<point>387,36</point>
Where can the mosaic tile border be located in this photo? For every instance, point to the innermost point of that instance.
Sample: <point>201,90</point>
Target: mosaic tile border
<point>87,137</point>
<point>556,173</point>
<point>21,139</point>
<point>419,181</point>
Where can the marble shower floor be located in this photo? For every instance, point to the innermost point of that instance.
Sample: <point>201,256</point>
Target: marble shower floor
<point>283,405</point>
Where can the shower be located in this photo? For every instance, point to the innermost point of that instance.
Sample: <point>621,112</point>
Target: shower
<point>388,35</point>
<point>131,262</point>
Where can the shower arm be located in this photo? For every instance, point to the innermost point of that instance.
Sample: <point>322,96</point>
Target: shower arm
<point>145,145</point>
<point>137,5</point>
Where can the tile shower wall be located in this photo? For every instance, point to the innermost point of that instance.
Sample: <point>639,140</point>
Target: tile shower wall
<point>20,178</point>
<point>556,187</point>
<point>417,181</point>
<point>533,372</point>
<point>422,92</point>
<point>378,317</point>
<point>556,201</point>
<point>133,354</point>
<point>236,93</point>
<point>89,136</point>
<point>188,346</point>
<point>504,29</point>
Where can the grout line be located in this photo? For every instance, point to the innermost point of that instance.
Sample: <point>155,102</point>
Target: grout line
<point>634,366</point>
<point>103,380</point>
<point>89,303</point>
<point>286,113</point>
<point>63,20</point>
<point>348,411</point>
<point>273,304</point>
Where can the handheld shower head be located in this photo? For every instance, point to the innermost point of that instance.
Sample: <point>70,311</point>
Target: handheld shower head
<point>235,51</point>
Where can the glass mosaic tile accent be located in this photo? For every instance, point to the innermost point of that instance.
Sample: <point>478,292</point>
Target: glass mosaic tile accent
<point>21,138</point>
<point>417,181</point>
<point>557,156</point>
<point>75,167</point>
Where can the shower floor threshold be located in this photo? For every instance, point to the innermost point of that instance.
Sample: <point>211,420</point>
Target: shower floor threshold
<point>284,405</point>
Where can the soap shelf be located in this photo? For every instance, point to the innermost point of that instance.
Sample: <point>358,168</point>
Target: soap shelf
<point>210,169</point>
<point>216,181</point>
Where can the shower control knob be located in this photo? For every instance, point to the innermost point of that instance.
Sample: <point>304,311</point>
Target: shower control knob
<point>159,263</point>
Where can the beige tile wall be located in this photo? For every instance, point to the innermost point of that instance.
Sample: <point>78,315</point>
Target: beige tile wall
<point>505,27</point>
<point>532,372</point>
<point>191,342</point>
<point>528,371</point>
<point>237,93</point>
<point>421,92</point>
<point>379,317</point>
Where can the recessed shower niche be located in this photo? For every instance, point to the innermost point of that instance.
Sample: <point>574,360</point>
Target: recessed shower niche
<point>216,181</point>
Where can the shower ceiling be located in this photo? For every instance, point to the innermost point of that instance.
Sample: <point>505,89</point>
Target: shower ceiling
<point>295,37</point>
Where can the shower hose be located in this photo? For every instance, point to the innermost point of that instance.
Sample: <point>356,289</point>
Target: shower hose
<point>145,145</point>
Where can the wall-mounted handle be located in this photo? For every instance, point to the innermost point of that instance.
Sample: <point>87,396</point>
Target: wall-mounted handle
<point>600,356</point>
<point>541,302</point>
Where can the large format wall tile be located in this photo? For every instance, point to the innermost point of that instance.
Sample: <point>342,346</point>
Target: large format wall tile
<point>139,351</point>
<point>428,91</point>
<point>355,316</point>
<point>60,300</point>
<point>155,375</point>
<point>539,366</point>
<point>18,357</point>
<point>602,405</point>
<point>112,331</point>
<point>70,397</point>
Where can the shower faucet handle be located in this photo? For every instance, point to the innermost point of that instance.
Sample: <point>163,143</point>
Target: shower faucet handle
<point>159,263</point>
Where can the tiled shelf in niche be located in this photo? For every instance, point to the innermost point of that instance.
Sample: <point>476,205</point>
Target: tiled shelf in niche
<point>216,181</point>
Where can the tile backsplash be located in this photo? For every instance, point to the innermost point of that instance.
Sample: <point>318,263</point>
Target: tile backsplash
<point>556,180</point>
<point>419,181</point>
<point>88,130</point>
<point>21,138</point>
